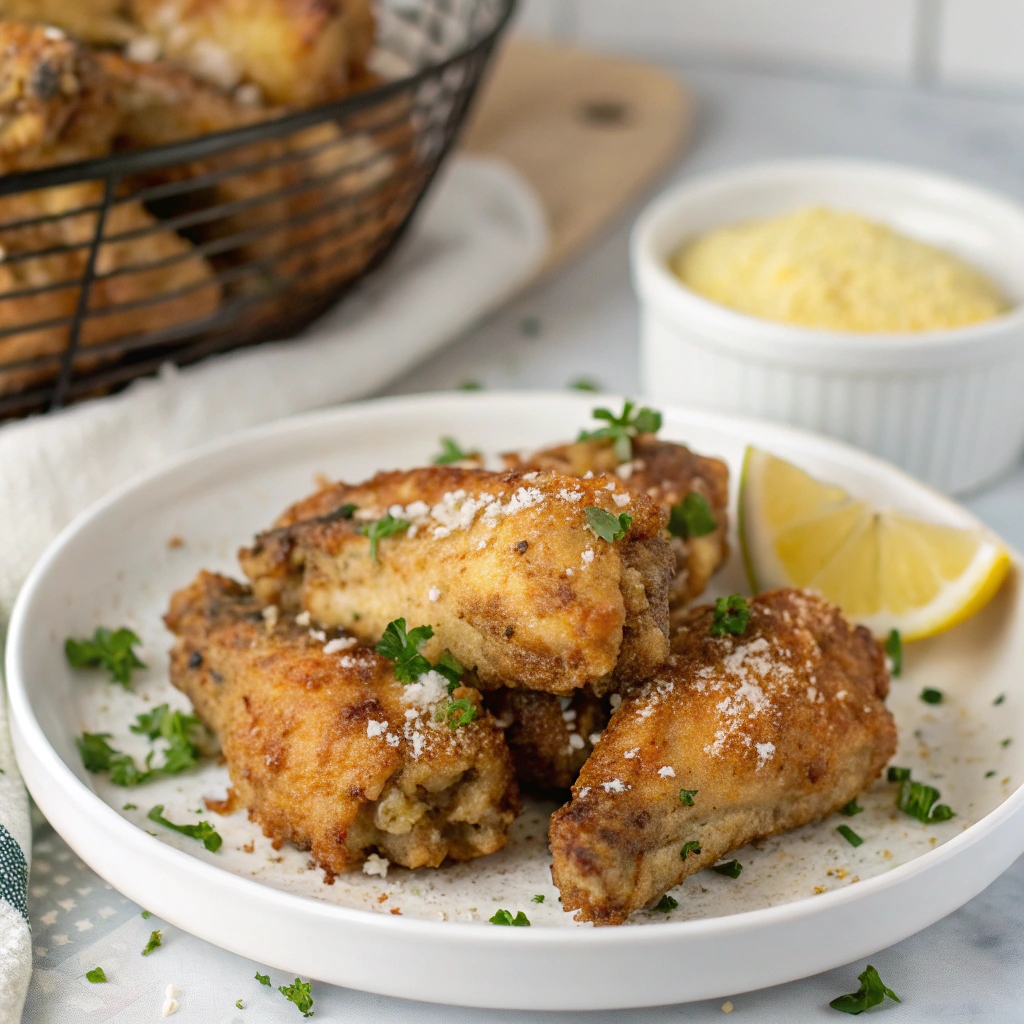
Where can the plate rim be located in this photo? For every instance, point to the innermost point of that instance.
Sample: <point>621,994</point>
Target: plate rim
<point>31,740</point>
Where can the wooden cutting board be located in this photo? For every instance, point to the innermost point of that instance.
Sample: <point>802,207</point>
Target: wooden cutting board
<point>589,132</point>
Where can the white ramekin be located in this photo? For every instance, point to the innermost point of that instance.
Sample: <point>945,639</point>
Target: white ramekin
<point>948,406</point>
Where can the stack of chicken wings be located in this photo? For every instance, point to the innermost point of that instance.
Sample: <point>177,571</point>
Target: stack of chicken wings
<point>411,650</point>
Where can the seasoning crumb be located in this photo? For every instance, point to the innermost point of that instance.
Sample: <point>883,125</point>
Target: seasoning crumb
<point>727,1007</point>
<point>175,542</point>
<point>820,889</point>
<point>396,910</point>
<point>249,846</point>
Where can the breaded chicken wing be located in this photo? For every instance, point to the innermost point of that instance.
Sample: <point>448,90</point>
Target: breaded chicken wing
<point>737,738</point>
<point>298,52</point>
<point>550,737</point>
<point>667,473</point>
<point>326,749</point>
<point>101,22</point>
<point>504,567</point>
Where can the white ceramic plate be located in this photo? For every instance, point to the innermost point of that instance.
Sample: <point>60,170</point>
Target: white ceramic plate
<point>806,901</point>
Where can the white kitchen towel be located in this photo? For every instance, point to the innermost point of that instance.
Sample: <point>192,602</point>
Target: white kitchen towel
<point>479,238</point>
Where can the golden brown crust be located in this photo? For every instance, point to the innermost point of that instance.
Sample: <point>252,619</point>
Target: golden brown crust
<point>320,744</point>
<point>550,737</point>
<point>665,472</point>
<point>503,566</point>
<point>772,729</point>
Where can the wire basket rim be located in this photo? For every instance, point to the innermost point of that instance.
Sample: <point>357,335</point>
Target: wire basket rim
<point>199,146</point>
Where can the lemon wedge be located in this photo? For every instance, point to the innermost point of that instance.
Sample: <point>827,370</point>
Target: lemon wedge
<point>884,569</point>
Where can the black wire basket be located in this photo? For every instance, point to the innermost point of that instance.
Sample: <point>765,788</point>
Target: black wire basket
<point>171,253</point>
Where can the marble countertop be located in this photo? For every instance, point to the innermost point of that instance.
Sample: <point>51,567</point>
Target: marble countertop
<point>583,322</point>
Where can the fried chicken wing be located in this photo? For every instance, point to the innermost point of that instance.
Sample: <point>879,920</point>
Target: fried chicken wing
<point>550,737</point>
<point>102,22</point>
<point>667,473</point>
<point>298,52</point>
<point>504,567</point>
<point>326,749</point>
<point>763,732</point>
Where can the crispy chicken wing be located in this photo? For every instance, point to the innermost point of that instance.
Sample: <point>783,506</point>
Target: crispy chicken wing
<point>505,568</point>
<point>767,730</point>
<point>102,22</point>
<point>326,749</point>
<point>57,104</point>
<point>667,473</point>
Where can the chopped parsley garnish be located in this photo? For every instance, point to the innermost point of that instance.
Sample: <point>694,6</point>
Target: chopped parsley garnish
<point>96,975</point>
<point>539,898</point>
<point>692,517</point>
<point>505,917</point>
<point>686,796</point>
<point>918,799</point>
<point>263,979</point>
<point>730,868</point>
<point>300,995</point>
<point>691,847</point>
<point>1006,742</point>
<point>341,512</point>
<point>623,428</point>
<point>176,728</point>
<point>732,614</point>
<point>107,649</point>
<point>851,808</point>
<point>849,835</point>
<point>146,915</point>
<point>130,807</point>
<point>605,525</point>
<point>894,650</point>
<point>930,696</point>
<point>403,648</point>
<point>872,991</point>
<point>999,700</point>
<point>387,526</point>
<point>239,1005</point>
<point>450,667</point>
<point>895,774</point>
<point>203,830</point>
<point>665,904</point>
<point>470,385</point>
<point>990,773</point>
<point>458,713</point>
<point>155,939</point>
<point>451,452</point>
<point>584,384</point>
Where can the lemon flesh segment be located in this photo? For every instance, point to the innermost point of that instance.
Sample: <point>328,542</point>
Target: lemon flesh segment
<point>884,569</point>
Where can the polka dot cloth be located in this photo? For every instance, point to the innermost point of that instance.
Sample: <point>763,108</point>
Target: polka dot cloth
<point>13,873</point>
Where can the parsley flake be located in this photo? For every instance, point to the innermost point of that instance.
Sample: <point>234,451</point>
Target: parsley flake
<point>872,991</point>
<point>894,651</point>
<point>849,835</point>
<point>918,799</point>
<point>403,648</point>
<point>732,614</point>
<point>665,904</point>
<point>146,915</point>
<point>450,667</point>
<point>584,384</point>
<point>451,452</point>
<point>686,796</point>
<point>239,1004</point>
<point>155,939</point>
<point>96,976</point>
<point>300,995</point>
<point>729,868</point>
<point>539,898</point>
<point>691,847</point>
<point>895,774</point>
<point>341,512</point>
<point>458,713</point>
<point>505,917</point>
<point>990,773</point>
<point>203,830</point>
<point>470,385</point>
<point>109,649</point>
<point>1006,742</point>
<point>930,696</point>
<point>999,700</point>
<point>851,808</point>
<point>387,526</point>
<point>263,979</point>
<point>605,525</point>
<point>623,428</point>
<point>692,517</point>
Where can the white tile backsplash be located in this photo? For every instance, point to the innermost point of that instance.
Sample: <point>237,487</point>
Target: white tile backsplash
<point>981,42</point>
